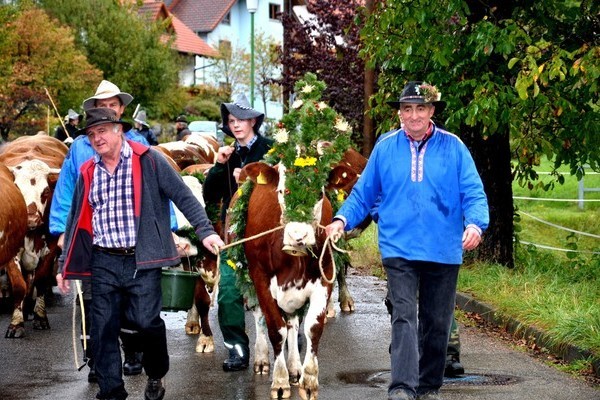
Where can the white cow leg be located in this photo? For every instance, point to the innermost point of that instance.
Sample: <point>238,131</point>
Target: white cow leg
<point>293,363</point>
<point>280,388</point>
<point>262,366</point>
<point>192,326</point>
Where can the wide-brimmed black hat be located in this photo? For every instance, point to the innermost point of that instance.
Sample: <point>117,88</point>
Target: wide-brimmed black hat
<point>418,92</point>
<point>240,109</point>
<point>102,115</point>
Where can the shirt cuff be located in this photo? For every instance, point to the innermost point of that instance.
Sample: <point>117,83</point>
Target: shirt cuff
<point>478,229</point>
<point>341,218</point>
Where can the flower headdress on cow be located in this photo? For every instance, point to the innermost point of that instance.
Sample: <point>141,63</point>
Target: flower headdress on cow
<point>308,141</point>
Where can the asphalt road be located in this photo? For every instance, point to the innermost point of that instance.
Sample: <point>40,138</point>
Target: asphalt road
<point>353,362</point>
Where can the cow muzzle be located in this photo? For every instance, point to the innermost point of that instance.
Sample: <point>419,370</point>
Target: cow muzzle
<point>34,217</point>
<point>296,237</point>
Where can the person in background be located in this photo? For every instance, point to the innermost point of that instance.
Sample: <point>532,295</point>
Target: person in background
<point>72,120</point>
<point>107,95</point>
<point>118,234</point>
<point>143,129</point>
<point>429,175</point>
<point>181,126</point>
<point>242,123</point>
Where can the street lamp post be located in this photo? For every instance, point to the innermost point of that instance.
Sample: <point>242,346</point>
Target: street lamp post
<point>252,6</point>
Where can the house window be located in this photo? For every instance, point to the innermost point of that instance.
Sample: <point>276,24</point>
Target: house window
<point>274,11</point>
<point>227,19</point>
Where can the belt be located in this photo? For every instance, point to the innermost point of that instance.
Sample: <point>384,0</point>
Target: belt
<point>116,251</point>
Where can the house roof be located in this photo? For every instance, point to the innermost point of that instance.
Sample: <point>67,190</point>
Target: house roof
<point>186,41</point>
<point>201,15</point>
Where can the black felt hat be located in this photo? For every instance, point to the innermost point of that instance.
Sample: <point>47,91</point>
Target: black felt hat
<point>418,92</point>
<point>102,115</point>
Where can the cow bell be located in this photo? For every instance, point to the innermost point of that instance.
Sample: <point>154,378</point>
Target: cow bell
<point>297,251</point>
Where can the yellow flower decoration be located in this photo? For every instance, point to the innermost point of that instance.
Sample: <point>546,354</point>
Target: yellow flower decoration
<point>297,103</point>
<point>232,264</point>
<point>305,161</point>
<point>239,192</point>
<point>341,195</point>
<point>271,150</point>
<point>308,89</point>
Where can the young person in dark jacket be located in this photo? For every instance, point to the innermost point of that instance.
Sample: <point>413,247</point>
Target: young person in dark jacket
<point>118,231</point>
<point>241,122</point>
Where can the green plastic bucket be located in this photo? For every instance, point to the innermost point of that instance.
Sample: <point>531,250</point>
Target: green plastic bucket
<point>178,289</point>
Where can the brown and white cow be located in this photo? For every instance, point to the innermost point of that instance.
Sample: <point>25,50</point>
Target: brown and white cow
<point>13,226</point>
<point>285,284</point>
<point>35,162</point>
<point>196,149</point>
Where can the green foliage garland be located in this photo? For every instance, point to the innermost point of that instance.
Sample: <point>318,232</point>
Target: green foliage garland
<point>299,147</point>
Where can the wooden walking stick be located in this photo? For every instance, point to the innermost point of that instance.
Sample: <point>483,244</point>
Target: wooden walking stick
<point>57,113</point>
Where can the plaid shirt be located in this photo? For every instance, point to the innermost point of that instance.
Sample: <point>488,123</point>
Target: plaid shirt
<point>111,198</point>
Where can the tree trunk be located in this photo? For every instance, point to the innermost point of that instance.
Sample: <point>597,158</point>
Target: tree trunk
<point>369,89</point>
<point>492,157</point>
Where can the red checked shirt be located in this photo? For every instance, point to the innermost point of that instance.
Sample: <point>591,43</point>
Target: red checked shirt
<point>111,198</point>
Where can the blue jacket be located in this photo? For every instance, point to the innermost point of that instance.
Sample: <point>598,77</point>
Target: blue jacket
<point>80,151</point>
<point>427,197</point>
<point>155,182</point>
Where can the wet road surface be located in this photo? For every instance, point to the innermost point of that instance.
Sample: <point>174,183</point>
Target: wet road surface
<point>353,362</point>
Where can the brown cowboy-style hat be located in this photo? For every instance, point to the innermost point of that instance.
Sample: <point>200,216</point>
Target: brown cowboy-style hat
<point>102,115</point>
<point>240,109</point>
<point>418,92</point>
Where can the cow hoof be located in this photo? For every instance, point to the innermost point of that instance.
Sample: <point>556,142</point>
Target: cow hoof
<point>294,379</point>
<point>262,368</point>
<point>192,329</point>
<point>15,331</point>
<point>40,323</point>
<point>308,394</point>
<point>205,344</point>
<point>281,393</point>
<point>347,306</point>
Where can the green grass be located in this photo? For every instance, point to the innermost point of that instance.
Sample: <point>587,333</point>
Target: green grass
<point>554,290</point>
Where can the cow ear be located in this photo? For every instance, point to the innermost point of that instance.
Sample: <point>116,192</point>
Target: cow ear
<point>341,176</point>
<point>259,173</point>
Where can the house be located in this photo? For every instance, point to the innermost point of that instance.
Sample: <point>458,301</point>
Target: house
<point>186,42</point>
<point>228,22</point>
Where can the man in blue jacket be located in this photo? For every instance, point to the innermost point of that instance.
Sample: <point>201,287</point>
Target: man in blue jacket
<point>118,234</point>
<point>107,95</point>
<point>432,207</point>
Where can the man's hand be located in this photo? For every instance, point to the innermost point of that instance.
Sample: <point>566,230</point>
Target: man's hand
<point>335,230</point>
<point>213,243</point>
<point>471,238</point>
<point>63,285</point>
<point>61,241</point>
<point>224,153</point>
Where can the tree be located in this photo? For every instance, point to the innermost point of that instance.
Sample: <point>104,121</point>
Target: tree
<point>37,54</point>
<point>129,50</point>
<point>520,79</point>
<point>267,68</point>
<point>328,46</point>
<point>232,68</point>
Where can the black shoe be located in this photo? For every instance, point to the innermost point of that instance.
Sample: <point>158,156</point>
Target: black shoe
<point>453,368</point>
<point>235,362</point>
<point>92,378</point>
<point>154,390</point>
<point>132,364</point>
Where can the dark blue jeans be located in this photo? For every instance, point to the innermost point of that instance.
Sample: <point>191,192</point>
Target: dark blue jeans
<point>118,289</point>
<point>422,296</point>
